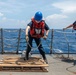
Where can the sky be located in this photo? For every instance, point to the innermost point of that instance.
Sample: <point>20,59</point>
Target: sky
<point>18,13</point>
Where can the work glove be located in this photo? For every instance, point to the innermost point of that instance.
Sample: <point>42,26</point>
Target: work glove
<point>44,37</point>
<point>27,38</point>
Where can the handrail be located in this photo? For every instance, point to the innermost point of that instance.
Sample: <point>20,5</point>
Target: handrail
<point>11,31</point>
<point>66,39</point>
<point>65,32</point>
<point>20,42</point>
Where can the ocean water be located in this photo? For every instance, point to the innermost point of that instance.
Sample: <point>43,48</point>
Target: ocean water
<point>61,42</point>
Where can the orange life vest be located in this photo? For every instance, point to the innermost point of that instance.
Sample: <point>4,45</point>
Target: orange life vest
<point>37,30</point>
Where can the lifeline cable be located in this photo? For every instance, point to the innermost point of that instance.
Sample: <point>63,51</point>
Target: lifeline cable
<point>48,44</point>
<point>64,32</point>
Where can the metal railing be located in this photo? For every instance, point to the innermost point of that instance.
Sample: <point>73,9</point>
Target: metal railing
<point>15,38</point>
<point>64,41</point>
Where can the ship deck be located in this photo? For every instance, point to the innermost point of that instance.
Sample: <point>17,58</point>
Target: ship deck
<point>57,65</point>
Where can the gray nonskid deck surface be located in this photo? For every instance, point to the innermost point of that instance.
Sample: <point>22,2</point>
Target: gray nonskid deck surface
<point>56,67</point>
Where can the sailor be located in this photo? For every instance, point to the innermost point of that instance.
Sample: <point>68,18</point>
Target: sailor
<point>71,25</point>
<point>36,29</point>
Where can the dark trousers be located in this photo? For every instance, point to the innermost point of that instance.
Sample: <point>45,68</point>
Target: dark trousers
<point>38,43</point>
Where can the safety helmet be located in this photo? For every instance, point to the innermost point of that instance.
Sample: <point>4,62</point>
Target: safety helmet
<point>38,16</point>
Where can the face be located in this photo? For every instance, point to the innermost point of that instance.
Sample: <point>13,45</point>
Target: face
<point>37,21</point>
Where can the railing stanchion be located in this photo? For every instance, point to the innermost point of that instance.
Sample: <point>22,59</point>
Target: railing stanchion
<point>51,41</point>
<point>18,40</point>
<point>2,41</point>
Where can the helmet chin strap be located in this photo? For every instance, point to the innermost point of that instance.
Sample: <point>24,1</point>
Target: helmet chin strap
<point>37,21</point>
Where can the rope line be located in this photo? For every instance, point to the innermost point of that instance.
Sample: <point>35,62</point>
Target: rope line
<point>34,47</point>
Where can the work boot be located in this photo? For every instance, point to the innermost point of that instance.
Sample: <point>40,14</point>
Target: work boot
<point>45,60</point>
<point>26,58</point>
